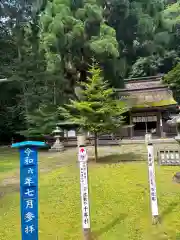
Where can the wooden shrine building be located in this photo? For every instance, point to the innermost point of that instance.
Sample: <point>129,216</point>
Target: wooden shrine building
<point>152,103</point>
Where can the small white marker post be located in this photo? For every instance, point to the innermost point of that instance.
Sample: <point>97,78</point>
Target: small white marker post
<point>152,184</point>
<point>83,158</point>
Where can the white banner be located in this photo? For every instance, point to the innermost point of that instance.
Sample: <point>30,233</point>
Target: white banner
<point>152,181</point>
<point>84,187</point>
<point>71,133</point>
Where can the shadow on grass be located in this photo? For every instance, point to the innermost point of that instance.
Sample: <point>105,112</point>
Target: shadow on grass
<point>178,236</point>
<point>169,209</point>
<point>8,189</point>
<point>117,158</point>
<point>108,226</point>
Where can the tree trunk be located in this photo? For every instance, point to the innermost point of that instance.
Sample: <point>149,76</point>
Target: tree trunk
<point>95,146</point>
<point>54,93</point>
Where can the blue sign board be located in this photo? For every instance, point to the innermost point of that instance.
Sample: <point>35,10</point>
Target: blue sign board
<point>29,188</point>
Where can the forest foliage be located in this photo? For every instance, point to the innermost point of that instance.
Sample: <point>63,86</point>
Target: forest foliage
<point>46,47</point>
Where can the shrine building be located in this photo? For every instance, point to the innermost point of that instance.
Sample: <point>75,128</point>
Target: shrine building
<point>152,104</point>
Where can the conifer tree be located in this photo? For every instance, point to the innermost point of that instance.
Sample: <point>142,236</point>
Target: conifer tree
<point>98,110</point>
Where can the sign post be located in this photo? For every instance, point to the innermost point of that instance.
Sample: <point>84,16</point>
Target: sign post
<point>83,158</point>
<point>29,188</point>
<point>152,184</point>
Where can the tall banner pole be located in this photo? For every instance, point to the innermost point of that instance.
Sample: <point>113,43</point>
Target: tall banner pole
<point>152,184</point>
<point>29,188</point>
<point>83,165</point>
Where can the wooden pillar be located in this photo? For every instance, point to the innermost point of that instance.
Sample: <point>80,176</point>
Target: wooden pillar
<point>160,124</point>
<point>130,123</point>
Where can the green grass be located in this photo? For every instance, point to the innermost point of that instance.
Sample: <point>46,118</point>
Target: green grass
<point>8,162</point>
<point>119,195</point>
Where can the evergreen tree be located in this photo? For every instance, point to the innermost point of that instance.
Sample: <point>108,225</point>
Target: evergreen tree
<point>163,44</point>
<point>98,110</point>
<point>72,33</point>
<point>127,37</point>
<point>173,80</point>
<point>41,122</point>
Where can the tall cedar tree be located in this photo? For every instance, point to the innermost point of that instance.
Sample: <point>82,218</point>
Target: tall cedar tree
<point>72,32</point>
<point>98,110</point>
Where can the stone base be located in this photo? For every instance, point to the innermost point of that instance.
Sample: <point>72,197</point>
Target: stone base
<point>177,138</point>
<point>176,177</point>
<point>148,138</point>
<point>81,140</point>
<point>155,220</point>
<point>57,147</point>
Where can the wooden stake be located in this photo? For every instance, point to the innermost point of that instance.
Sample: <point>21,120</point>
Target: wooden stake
<point>87,234</point>
<point>152,185</point>
<point>83,159</point>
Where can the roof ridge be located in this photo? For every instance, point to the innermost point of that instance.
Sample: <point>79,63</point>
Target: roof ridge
<point>157,77</point>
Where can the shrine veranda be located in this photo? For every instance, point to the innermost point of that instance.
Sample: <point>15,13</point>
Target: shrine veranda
<point>118,189</point>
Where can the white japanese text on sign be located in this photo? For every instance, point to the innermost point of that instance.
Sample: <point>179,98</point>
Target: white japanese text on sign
<point>29,183</point>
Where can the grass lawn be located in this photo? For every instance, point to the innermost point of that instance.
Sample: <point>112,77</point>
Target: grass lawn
<point>119,196</point>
